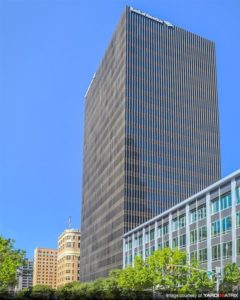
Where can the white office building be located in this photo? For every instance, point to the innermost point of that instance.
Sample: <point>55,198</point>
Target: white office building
<point>206,226</point>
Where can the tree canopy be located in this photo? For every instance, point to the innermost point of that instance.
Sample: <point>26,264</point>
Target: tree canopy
<point>166,270</point>
<point>231,277</point>
<point>10,260</point>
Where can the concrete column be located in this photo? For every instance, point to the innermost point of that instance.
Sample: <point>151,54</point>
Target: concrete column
<point>234,237</point>
<point>143,246</point>
<point>209,244</point>
<point>155,236</point>
<point>187,233</point>
<point>133,249</point>
<point>124,243</point>
<point>170,229</point>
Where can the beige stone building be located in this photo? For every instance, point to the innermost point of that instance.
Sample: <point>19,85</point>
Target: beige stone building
<point>45,267</point>
<point>68,259</point>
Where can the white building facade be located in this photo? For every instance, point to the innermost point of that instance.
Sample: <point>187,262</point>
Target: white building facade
<point>206,226</point>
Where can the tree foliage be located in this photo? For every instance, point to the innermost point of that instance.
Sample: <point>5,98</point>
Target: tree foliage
<point>10,260</point>
<point>166,270</point>
<point>231,277</point>
<point>103,288</point>
<point>42,292</point>
<point>38,292</point>
<point>135,278</point>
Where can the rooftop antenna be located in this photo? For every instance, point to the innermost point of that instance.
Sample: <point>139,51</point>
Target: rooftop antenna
<point>69,222</point>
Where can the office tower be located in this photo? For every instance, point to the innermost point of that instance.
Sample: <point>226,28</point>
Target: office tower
<point>206,226</point>
<point>45,267</point>
<point>151,133</point>
<point>68,258</point>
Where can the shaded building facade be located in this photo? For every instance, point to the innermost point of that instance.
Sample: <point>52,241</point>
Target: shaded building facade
<point>151,133</point>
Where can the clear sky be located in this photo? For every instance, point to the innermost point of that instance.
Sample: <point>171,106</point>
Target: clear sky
<point>49,51</point>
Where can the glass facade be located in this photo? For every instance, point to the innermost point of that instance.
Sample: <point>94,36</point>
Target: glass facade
<point>193,236</point>
<point>216,252</point>
<point>182,241</point>
<point>151,134</point>
<point>221,203</point>
<point>221,226</point>
<point>202,255</point>
<point>178,223</point>
<point>238,219</point>
<point>198,214</point>
<point>238,195</point>
<point>161,119</point>
<point>202,233</point>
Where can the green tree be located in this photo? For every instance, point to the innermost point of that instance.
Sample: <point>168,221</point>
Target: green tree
<point>171,271</point>
<point>79,291</point>
<point>231,277</point>
<point>24,294</point>
<point>42,292</point>
<point>166,270</point>
<point>10,260</point>
<point>97,289</point>
<point>203,283</point>
<point>112,289</point>
<point>67,291</point>
<point>133,280</point>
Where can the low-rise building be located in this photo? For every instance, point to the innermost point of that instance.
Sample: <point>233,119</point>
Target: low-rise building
<point>68,259</point>
<point>206,226</point>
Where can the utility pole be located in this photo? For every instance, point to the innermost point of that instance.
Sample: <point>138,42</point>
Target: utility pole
<point>219,277</point>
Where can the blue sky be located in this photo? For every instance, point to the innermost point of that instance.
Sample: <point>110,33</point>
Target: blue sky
<point>49,51</point>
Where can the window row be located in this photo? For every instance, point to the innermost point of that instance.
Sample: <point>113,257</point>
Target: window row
<point>238,219</point>
<point>138,241</point>
<point>163,245</point>
<point>198,214</point>
<point>219,251</point>
<point>221,226</point>
<point>238,195</point>
<point>179,223</point>
<point>222,251</point>
<point>149,236</point>
<point>179,241</point>
<point>163,230</point>
<point>149,251</point>
<point>221,203</point>
<point>200,255</point>
<point>198,235</point>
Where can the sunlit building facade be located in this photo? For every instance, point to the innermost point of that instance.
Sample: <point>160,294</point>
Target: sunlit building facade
<point>45,267</point>
<point>206,226</point>
<point>68,258</point>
